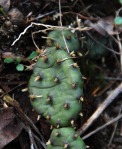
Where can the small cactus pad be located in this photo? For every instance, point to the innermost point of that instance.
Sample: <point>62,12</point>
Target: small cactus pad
<point>56,87</point>
<point>65,138</point>
<point>56,38</point>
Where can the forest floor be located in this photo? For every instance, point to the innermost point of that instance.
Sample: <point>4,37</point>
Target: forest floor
<point>23,26</point>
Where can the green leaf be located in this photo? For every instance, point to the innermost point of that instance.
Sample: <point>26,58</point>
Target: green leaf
<point>32,55</point>
<point>18,59</point>
<point>120,1</point>
<point>2,10</point>
<point>8,60</point>
<point>20,67</point>
<point>118,20</point>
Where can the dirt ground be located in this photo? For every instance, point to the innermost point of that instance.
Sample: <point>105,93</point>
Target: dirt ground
<point>24,24</point>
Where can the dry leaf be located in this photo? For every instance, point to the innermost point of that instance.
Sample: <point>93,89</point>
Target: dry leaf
<point>15,15</point>
<point>103,26</point>
<point>10,128</point>
<point>5,4</point>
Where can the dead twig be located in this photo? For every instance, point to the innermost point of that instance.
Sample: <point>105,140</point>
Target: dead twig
<point>32,142</point>
<point>22,83</point>
<point>100,109</point>
<point>111,78</point>
<point>49,27</point>
<point>62,25</point>
<point>81,16</point>
<point>42,16</point>
<point>102,127</point>
<point>115,127</point>
<point>120,50</point>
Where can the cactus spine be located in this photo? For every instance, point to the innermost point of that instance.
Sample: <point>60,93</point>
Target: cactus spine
<point>56,89</point>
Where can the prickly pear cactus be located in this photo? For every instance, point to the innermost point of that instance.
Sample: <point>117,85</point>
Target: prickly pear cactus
<point>65,138</point>
<point>61,38</point>
<point>56,84</point>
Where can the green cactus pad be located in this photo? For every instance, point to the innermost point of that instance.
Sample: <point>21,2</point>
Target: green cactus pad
<point>65,138</point>
<point>56,87</point>
<point>55,38</point>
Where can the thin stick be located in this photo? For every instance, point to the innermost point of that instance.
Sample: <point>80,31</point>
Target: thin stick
<point>62,25</point>
<point>115,127</point>
<point>43,15</point>
<point>120,50</point>
<point>32,142</point>
<point>50,27</point>
<point>12,89</point>
<point>102,127</point>
<point>111,78</point>
<point>100,109</point>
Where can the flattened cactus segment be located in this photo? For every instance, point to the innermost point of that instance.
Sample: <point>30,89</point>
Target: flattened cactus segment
<point>56,38</point>
<point>65,138</point>
<point>56,88</point>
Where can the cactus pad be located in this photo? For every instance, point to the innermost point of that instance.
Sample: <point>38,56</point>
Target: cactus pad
<point>56,87</point>
<point>65,138</point>
<point>55,38</point>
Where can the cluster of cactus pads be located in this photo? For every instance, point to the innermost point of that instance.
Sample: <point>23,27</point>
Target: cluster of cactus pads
<point>56,89</point>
